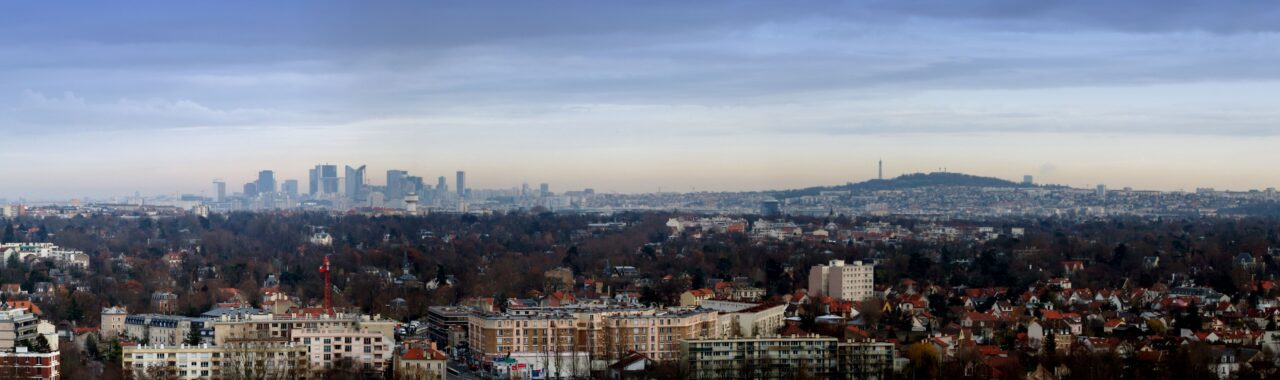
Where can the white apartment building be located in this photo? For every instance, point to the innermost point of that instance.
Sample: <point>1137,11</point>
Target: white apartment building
<point>266,359</point>
<point>62,256</point>
<point>773,357</point>
<point>18,326</point>
<point>747,319</point>
<point>854,281</point>
<point>271,345</point>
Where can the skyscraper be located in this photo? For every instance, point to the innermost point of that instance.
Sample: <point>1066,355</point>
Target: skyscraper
<point>355,183</point>
<point>442,188</point>
<point>324,179</point>
<point>1027,180</point>
<point>329,179</point>
<point>314,185</point>
<point>220,191</point>
<point>544,189</point>
<point>395,184</point>
<point>461,183</point>
<point>289,187</point>
<point>413,184</point>
<point>266,181</point>
<point>880,169</point>
<point>250,189</point>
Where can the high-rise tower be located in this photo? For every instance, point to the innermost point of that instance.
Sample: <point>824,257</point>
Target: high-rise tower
<point>355,183</point>
<point>395,184</point>
<point>880,170</point>
<point>266,181</point>
<point>219,190</point>
<point>461,183</point>
<point>324,179</point>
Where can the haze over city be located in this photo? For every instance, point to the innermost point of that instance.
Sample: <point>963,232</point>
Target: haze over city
<point>160,98</point>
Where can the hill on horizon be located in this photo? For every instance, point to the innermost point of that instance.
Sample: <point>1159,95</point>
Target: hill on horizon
<point>907,181</point>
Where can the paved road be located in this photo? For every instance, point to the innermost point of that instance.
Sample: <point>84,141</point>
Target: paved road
<point>463,372</point>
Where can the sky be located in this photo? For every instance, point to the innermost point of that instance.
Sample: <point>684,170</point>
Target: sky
<point>111,98</point>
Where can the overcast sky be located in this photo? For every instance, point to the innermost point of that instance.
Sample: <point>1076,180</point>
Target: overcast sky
<point>161,97</point>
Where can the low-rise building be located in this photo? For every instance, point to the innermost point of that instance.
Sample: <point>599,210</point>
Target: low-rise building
<point>421,363</point>
<point>695,297</point>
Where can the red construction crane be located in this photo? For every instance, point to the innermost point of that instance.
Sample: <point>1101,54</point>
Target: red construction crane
<point>324,270</point>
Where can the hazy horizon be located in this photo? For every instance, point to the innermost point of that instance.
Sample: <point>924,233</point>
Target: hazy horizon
<point>107,99</point>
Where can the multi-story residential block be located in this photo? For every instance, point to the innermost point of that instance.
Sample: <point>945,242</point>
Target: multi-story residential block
<point>113,320</point>
<point>850,282</point>
<point>31,365</point>
<point>603,332</point>
<point>658,335</point>
<point>866,359</point>
<point>760,358</point>
<point>447,325</point>
<point>747,319</point>
<point>266,359</point>
<point>248,326</point>
<point>17,327</point>
<point>493,334</point>
<point>20,336</point>
<point>60,256</point>
<point>365,340</point>
<point>161,329</point>
<point>328,347</point>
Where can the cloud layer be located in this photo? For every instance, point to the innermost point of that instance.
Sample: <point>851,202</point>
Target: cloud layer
<point>380,82</point>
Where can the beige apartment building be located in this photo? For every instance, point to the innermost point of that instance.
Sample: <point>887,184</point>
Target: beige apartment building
<point>602,332</point>
<point>261,326</point>
<point>853,281</point>
<point>371,350</point>
<point>113,320</point>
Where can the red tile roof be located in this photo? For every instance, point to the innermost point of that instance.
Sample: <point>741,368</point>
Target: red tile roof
<point>25,304</point>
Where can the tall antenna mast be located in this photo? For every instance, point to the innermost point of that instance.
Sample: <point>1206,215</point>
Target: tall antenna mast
<point>328,301</point>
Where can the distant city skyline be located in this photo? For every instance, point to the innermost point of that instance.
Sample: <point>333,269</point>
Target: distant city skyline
<point>289,184</point>
<point>632,97</point>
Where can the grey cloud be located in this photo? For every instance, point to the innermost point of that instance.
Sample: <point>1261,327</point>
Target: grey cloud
<point>70,112</point>
<point>338,62</point>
